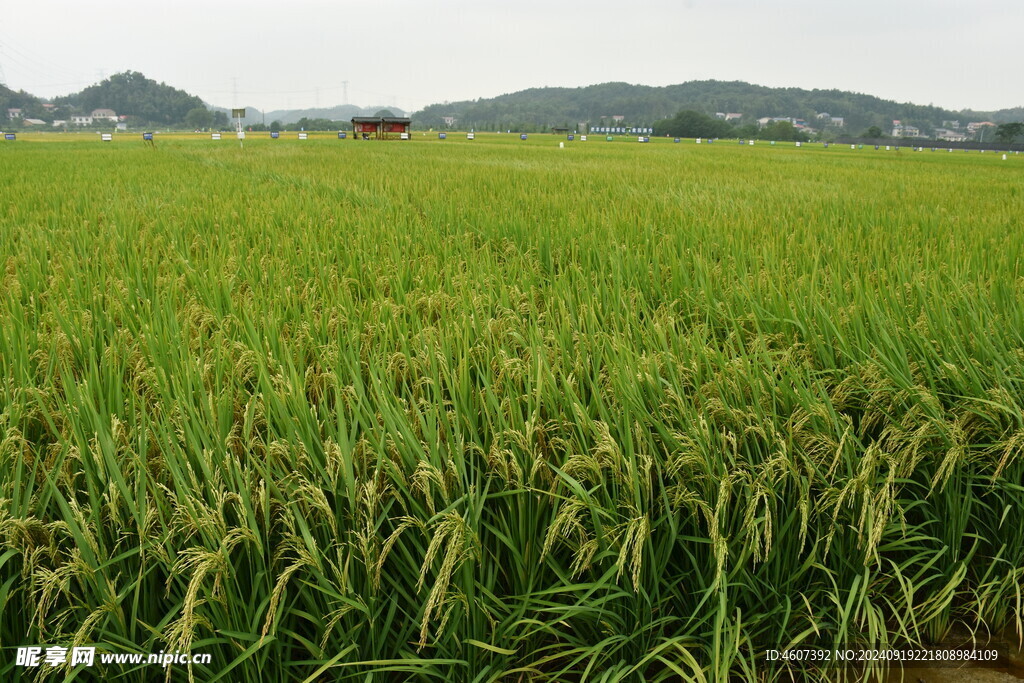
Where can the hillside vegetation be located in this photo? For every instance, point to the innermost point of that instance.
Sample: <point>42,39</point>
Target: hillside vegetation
<point>541,108</point>
<point>132,94</point>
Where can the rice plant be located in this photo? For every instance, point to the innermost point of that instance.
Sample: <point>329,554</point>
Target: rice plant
<point>499,411</point>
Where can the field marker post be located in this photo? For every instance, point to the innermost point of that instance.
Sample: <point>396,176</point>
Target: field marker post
<point>238,115</point>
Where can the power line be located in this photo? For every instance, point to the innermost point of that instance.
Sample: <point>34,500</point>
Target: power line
<point>38,64</point>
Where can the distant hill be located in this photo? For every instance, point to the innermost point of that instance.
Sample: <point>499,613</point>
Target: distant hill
<point>15,99</point>
<point>541,108</point>
<point>147,102</point>
<point>132,94</point>
<point>30,105</point>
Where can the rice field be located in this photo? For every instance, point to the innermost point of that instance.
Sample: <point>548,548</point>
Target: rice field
<point>496,411</point>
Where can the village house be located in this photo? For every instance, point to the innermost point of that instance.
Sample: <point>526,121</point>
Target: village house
<point>104,114</point>
<point>901,130</point>
<point>950,135</point>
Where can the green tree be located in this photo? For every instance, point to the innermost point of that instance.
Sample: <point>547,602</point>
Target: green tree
<point>693,124</point>
<point>382,113</point>
<point>275,126</point>
<point>1006,132</point>
<point>199,118</point>
<point>783,131</point>
<point>873,132</point>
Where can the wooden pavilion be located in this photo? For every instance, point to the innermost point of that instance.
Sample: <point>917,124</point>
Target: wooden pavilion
<point>381,128</point>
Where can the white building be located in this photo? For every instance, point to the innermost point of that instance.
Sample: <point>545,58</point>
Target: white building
<point>104,114</point>
<point>949,135</point>
<point>77,120</point>
<point>902,130</point>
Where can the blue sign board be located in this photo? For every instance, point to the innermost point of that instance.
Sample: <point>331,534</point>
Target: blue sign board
<point>571,137</point>
<point>442,136</point>
<point>522,136</point>
<point>147,136</point>
<point>274,134</point>
<point>676,140</point>
<point>8,136</point>
<point>342,135</point>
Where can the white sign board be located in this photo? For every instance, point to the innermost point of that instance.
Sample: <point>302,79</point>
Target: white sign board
<point>106,137</point>
<point>302,136</point>
<point>215,136</point>
<point>241,135</point>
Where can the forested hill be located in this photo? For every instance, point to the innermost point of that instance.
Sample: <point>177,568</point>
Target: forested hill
<point>132,94</point>
<point>540,108</point>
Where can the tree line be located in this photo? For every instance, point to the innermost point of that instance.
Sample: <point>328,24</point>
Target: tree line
<point>544,108</point>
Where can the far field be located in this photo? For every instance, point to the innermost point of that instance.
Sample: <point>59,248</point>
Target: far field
<point>494,410</point>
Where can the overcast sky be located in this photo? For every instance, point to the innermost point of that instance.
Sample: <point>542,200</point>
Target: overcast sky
<point>297,54</point>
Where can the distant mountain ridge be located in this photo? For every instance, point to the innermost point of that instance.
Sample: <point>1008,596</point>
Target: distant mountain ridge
<point>642,104</point>
<point>146,101</point>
